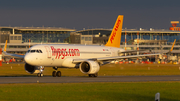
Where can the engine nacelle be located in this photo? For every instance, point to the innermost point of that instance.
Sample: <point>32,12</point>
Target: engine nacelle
<point>31,69</point>
<point>89,67</point>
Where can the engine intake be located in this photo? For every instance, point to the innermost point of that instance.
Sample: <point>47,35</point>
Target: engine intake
<point>31,69</point>
<point>89,67</point>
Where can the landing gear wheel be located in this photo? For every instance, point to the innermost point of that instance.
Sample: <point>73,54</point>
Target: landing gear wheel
<point>54,73</point>
<point>93,75</point>
<point>90,75</point>
<point>58,74</point>
<point>39,74</point>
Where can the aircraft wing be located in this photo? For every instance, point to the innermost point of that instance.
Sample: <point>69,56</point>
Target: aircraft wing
<point>119,57</point>
<point>131,51</point>
<point>4,53</point>
<point>113,58</point>
<point>12,55</point>
<point>125,57</point>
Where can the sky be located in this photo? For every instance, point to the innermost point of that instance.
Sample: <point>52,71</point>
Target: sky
<point>79,14</point>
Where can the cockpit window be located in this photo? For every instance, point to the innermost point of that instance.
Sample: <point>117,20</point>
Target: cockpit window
<point>34,51</point>
<point>40,51</point>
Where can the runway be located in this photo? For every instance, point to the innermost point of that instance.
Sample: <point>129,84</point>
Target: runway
<point>9,80</point>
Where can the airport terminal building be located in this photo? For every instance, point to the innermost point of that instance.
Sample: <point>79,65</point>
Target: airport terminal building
<point>35,34</point>
<point>21,38</point>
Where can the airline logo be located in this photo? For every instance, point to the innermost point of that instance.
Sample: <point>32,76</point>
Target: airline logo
<point>105,50</point>
<point>63,52</point>
<point>115,30</point>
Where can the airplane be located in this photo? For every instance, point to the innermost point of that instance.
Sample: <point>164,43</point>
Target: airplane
<point>88,58</point>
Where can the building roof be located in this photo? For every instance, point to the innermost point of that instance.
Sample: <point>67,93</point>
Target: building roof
<point>150,31</point>
<point>133,30</point>
<point>38,28</point>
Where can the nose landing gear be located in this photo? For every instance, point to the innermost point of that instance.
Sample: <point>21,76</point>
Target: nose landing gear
<point>40,74</point>
<point>41,69</point>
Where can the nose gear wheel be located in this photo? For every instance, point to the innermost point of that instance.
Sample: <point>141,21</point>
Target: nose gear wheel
<point>39,74</point>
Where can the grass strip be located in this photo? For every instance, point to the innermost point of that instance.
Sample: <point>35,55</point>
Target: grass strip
<point>128,91</point>
<point>106,70</point>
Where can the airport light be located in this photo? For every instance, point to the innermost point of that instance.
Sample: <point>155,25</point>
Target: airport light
<point>157,97</point>
<point>137,43</point>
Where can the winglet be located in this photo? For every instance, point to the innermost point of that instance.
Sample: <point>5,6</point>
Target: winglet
<point>173,45</point>
<point>5,46</point>
<point>115,37</point>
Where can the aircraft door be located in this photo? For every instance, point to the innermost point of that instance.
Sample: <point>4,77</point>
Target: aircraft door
<point>113,53</point>
<point>49,55</point>
<point>48,51</point>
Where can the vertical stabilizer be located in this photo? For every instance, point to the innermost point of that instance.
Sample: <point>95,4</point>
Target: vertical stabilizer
<point>115,37</point>
<point>5,46</point>
<point>173,45</point>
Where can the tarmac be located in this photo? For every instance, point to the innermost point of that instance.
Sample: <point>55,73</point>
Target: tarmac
<point>83,79</point>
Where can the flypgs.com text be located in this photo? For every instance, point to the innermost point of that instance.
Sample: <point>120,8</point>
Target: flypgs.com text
<point>63,52</point>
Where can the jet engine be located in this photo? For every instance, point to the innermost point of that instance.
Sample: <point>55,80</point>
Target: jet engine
<point>31,69</point>
<point>89,67</point>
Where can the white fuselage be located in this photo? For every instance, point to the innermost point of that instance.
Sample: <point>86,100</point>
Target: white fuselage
<point>62,55</point>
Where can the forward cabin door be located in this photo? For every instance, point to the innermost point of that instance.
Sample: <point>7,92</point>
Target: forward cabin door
<point>49,55</point>
<point>48,51</point>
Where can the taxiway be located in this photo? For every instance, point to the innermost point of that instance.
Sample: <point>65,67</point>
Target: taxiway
<point>9,80</point>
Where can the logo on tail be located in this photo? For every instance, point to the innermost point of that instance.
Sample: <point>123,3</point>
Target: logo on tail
<point>115,37</point>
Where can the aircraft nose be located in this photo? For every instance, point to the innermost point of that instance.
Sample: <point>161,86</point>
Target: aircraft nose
<point>27,58</point>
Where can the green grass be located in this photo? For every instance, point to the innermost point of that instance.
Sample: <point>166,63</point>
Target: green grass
<point>134,91</point>
<point>106,70</point>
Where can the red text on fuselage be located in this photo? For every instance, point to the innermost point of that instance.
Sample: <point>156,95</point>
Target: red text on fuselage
<point>63,52</point>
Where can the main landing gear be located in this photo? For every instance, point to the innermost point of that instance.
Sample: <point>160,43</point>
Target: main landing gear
<point>56,73</point>
<point>93,75</point>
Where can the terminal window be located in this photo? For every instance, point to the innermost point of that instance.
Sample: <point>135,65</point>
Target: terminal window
<point>19,37</point>
<point>90,38</point>
<point>11,38</point>
<point>82,38</point>
<point>15,37</point>
<point>86,39</point>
